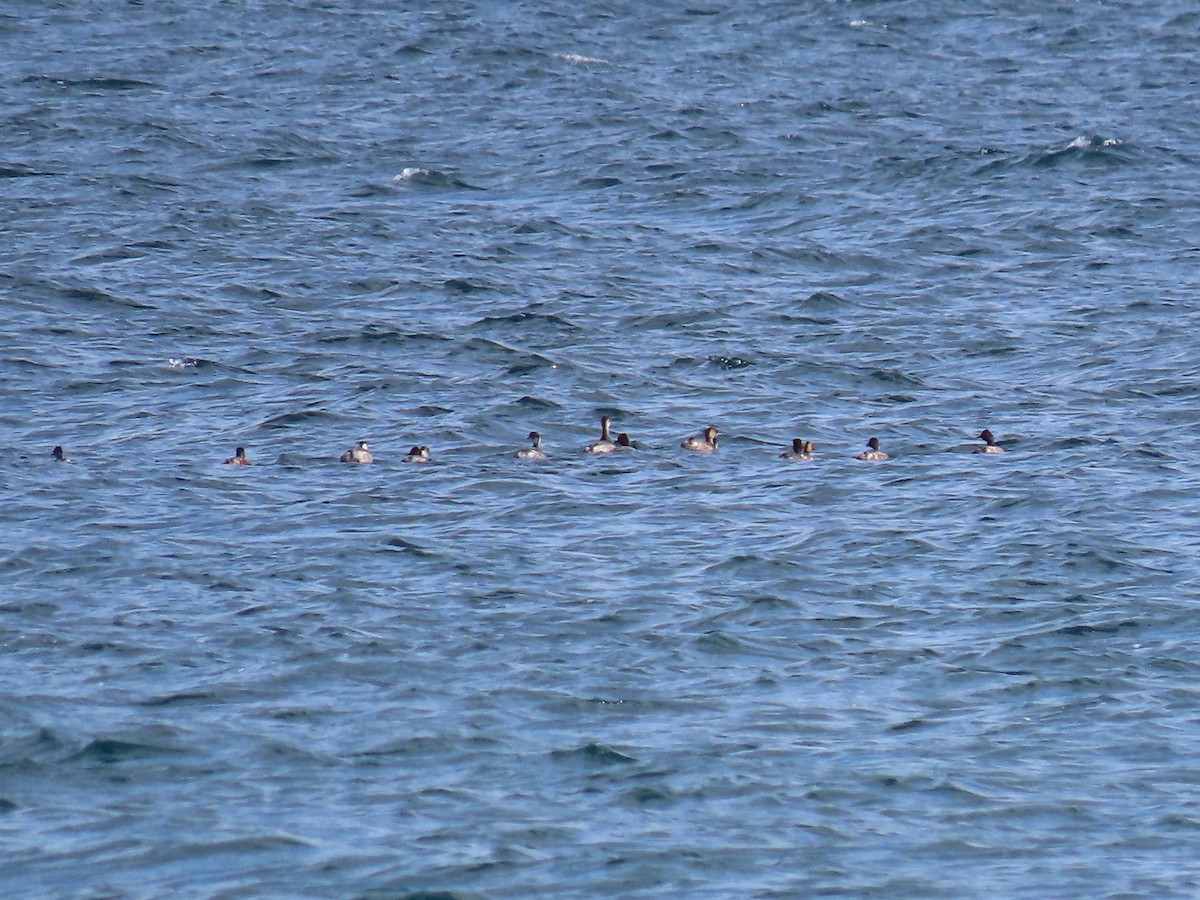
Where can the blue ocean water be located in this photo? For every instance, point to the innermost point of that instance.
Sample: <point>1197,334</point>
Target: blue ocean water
<point>291,226</point>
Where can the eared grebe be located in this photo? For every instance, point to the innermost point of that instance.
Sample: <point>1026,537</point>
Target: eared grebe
<point>58,454</point>
<point>989,443</point>
<point>605,444</point>
<point>873,452</point>
<point>704,443</point>
<point>534,452</point>
<point>238,458</point>
<point>360,453</point>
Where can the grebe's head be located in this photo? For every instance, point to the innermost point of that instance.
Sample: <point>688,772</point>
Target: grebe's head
<point>987,436</point>
<point>873,443</point>
<point>797,445</point>
<point>710,434</point>
<point>416,451</point>
<point>362,445</point>
<point>535,437</point>
<point>623,440</point>
<point>240,453</point>
<point>808,447</point>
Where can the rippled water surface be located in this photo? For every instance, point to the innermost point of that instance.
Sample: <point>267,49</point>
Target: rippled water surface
<point>289,227</point>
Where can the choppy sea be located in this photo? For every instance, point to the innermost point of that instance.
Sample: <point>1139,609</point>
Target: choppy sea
<point>292,226</point>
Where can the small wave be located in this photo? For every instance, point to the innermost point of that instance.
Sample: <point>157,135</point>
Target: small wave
<point>1085,142</point>
<point>528,319</point>
<point>412,173</point>
<point>1101,628</point>
<point>36,748</point>
<point>824,299</point>
<point>671,320</point>
<point>419,744</point>
<point>375,333</point>
<point>92,295</point>
<point>19,171</point>
<point>531,363</point>
<point>427,410</point>
<point>268,162</point>
<point>600,183</point>
<point>413,49</point>
<point>730,362</point>
<point>594,753</point>
<point>895,377</point>
<point>720,642</point>
<point>241,846</point>
<point>415,175</point>
<point>644,796</point>
<point>184,697</point>
<point>290,418</point>
<point>111,84</point>
<point>1085,147</point>
<point>465,285</point>
<point>114,750</point>
<point>535,403</point>
<point>583,60</point>
<point>108,255</point>
<point>908,725</point>
<point>395,542</point>
<point>547,225</point>
<point>91,84</point>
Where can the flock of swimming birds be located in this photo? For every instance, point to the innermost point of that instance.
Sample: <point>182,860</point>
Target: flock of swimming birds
<point>705,442</point>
